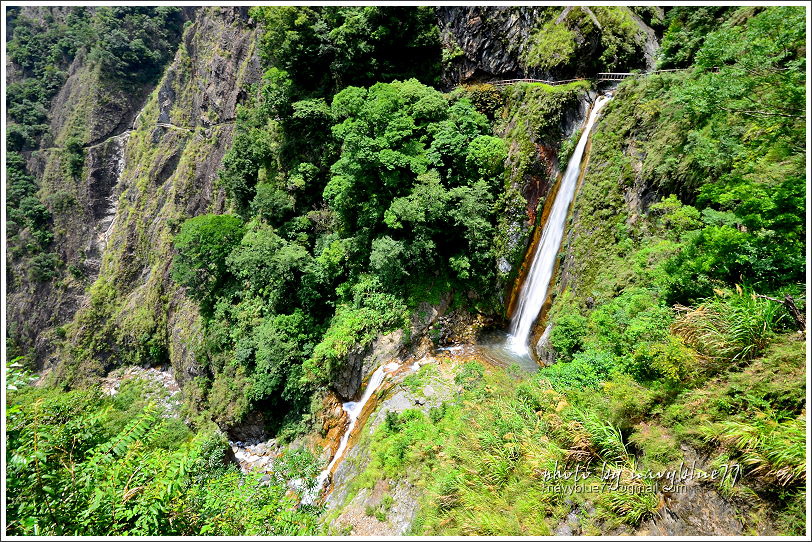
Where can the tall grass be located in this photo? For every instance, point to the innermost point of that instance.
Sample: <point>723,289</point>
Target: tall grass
<point>773,449</point>
<point>630,506</point>
<point>730,327</point>
<point>607,438</point>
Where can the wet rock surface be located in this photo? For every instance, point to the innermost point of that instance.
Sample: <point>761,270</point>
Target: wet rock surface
<point>255,455</point>
<point>490,39</point>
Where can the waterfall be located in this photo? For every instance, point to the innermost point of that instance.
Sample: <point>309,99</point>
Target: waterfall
<point>107,161</point>
<point>353,410</point>
<point>534,290</point>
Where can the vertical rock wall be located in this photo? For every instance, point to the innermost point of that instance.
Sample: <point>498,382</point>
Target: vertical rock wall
<point>133,312</point>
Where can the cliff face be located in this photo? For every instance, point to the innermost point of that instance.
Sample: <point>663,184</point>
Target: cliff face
<point>152,167</point>
<point>96,111</point>
<point>483,43</point>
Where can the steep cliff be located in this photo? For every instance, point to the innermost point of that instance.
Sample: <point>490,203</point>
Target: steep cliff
<point>75,162</point>
<point>495,42</point>
<point>134,313</point>
<point>279,216</point>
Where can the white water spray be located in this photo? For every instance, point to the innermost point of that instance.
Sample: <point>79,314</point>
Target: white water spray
<point>534,289</point>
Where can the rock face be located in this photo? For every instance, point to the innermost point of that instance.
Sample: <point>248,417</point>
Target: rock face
<point>489,42</point>
<point>355,515</point>
<point>362,361</point>
<point>544,351</point>
<point>696,510</point>
<point>161,380</point>
<point>112,224</point>
<point>98,112</point>
<point>489,38</point>
<point>134,312</point>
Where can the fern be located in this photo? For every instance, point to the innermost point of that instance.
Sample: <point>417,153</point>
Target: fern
<point>135,431</point>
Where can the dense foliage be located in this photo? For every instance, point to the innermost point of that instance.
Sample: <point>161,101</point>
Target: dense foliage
<point>324,49</point>
<point>82,463</point>
<point>355,204</point>
<point>355,191</point>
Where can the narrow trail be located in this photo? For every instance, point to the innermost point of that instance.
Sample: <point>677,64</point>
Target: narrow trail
<point>127,132</point>
<point>603,76</point>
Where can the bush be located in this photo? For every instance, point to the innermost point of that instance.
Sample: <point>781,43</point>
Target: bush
<point>586,371</point>
<point>44,267</point>
<point>567,334</point>
<point>74,156</point>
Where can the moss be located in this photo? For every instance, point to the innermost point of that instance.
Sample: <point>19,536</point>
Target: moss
<point>658,447</point>
<point>550,46</point>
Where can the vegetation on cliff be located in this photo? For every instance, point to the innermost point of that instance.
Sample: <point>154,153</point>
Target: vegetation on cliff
<point>354,193</point>
<point>669,329</point>
<point>74,74</point>
<point>356,201</point>
<point>670,289</point>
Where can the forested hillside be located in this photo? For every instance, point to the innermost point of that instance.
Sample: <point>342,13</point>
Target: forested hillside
<point>262,261</point>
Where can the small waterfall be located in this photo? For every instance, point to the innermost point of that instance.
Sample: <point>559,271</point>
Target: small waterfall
<point>109,218</point>
<point>107,162</point>
<point>353,410</point>
<point>534,289</point>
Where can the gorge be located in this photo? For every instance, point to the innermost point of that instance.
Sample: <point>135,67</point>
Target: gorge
<point>392,270</point>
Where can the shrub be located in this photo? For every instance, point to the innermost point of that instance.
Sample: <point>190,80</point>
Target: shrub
<point>587,370</point>
<point>567,334</point>
<point>44,267</point>
<point>730,327</point>
<point>74,156</point>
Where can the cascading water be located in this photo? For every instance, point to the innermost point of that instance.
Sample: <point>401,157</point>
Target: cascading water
<point>534,289</point>
<point>353,410</point>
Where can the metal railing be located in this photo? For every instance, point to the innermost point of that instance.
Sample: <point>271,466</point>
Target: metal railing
<point>603,76</point>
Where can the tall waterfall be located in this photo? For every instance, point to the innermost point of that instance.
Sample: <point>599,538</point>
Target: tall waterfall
<point>534,289</point>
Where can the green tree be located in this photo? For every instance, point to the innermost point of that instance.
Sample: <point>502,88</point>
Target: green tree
<point>203,245</point>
